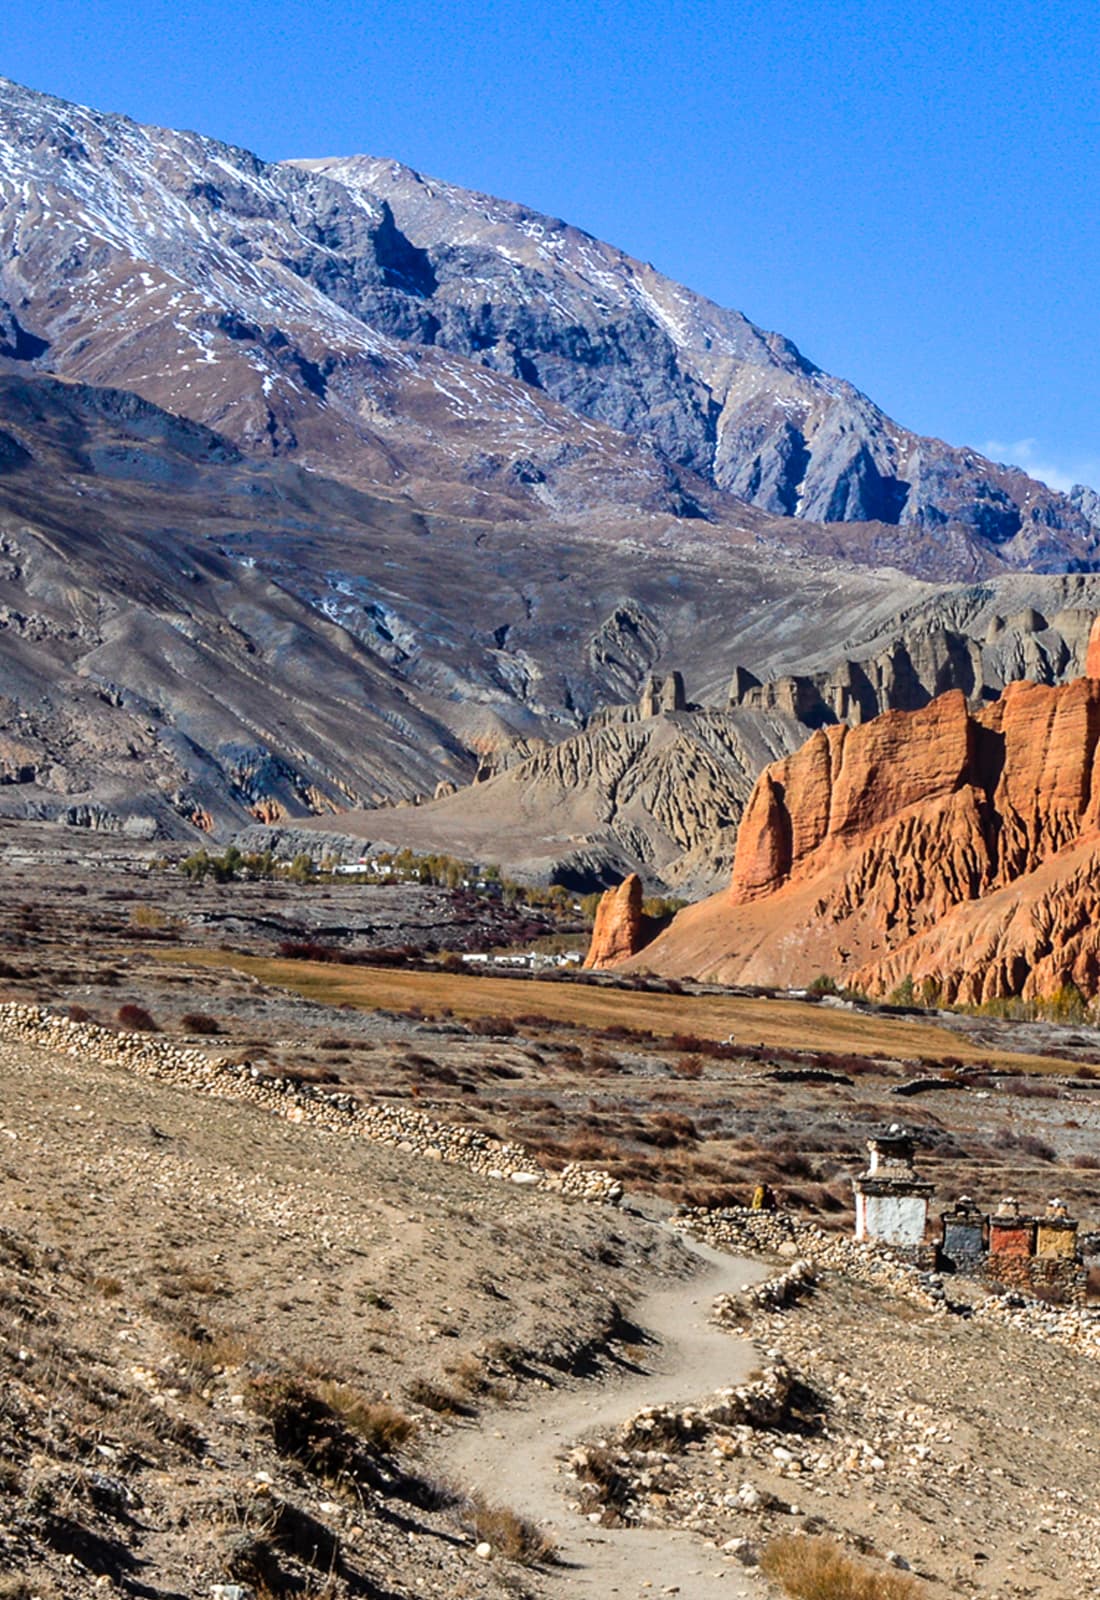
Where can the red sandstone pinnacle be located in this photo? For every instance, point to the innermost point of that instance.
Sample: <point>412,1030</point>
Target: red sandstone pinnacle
<point>843,782</point>
<point>617,930</point>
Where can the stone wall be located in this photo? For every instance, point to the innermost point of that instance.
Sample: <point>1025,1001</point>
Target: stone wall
<point>1069,1324</point>
<point>398,1126</point>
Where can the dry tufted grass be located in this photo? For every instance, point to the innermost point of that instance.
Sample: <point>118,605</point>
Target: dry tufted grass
<point>510,1536</point>
<point>381,1425</point>
<point>817,1569</point>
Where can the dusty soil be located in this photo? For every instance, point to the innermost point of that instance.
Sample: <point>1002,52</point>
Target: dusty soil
<point>962,1448</point>
<point>685,1356</point>
<point>163,1254</point>
<point>159,1251</point>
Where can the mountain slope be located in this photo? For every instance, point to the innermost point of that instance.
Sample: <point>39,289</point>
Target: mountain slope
<point>483,359</point>
<point>658,788</point>
<point>660,795</point>
<point>323,484</point>
<point>192,637</point>
<point>612,338</point>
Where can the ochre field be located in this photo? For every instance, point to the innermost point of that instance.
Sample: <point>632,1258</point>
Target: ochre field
<point>780,1024</point>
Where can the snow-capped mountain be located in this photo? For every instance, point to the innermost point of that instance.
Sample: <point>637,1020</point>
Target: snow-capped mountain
<point>421,338</point>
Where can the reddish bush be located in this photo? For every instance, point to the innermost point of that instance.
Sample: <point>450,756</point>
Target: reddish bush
<point>493,1027</point>
<point>199,1022</point>
<point>135,1019</point>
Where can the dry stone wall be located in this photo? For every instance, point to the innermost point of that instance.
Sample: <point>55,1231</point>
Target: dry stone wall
<point>400,1127</point>
<point>744,1231</point>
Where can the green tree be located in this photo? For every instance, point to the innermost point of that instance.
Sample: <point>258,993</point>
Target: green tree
<point>302,869</point>
<point>196,866</point>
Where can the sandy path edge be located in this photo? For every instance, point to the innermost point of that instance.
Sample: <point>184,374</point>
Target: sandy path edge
<point>514,1459</point>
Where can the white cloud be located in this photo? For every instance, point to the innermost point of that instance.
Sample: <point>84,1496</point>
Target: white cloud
<point>1029,455</point>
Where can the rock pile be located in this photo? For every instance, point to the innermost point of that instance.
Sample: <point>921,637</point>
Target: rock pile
<point>627,1477</point>
<point>762,1403</point>
<point>775,1294</point>
<point>1077,1328</point>
<point>586,1183</point>
<point>779,1233</point>
<point>400,1127</point>
<point>743,1231</point>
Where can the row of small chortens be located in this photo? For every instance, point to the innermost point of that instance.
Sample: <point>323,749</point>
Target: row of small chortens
<point>1036,1255</point>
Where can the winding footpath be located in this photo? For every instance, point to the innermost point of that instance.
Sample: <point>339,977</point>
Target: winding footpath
<point>516,1462</point>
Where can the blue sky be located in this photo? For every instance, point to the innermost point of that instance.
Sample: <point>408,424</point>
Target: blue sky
<point>908,192</point>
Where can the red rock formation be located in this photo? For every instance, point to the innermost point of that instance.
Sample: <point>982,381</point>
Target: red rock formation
<point>959,849</point>
<point>617,932</point>
<point>1092,655</point>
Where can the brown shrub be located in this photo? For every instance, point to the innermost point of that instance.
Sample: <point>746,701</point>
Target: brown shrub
<point>599,1062</point>
<point>1029,1144</point>
<point>202,1354</point>
<point>434,1397</point>
<point>135,1019</point>
<point>817,1569</point>
<point>598,1465</point>
<point>199,1022</point>
<point>492,1027</point>
<point>507,1533</point>
<point>329,1426</point>
<point>380,1425</point>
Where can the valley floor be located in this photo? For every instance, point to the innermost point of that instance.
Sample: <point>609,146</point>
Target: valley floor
<point>237,1347</point>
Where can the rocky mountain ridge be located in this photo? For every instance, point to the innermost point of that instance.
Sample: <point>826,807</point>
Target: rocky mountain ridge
<point>411,336</point>
<point>658,787</point>
<point>326,486</point>
<point>612,338</point>
<point>190,638</point>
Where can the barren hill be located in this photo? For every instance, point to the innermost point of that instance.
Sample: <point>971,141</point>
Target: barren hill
<point>659,787</point>
<point>189,636</point>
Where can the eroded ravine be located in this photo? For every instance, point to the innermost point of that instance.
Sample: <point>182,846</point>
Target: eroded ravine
<point>514,1458</point>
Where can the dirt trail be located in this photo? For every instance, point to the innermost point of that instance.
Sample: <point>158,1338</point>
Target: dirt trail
<point>515,1462</point>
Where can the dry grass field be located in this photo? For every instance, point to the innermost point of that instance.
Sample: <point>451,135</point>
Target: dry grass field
<point>774,1024</point>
